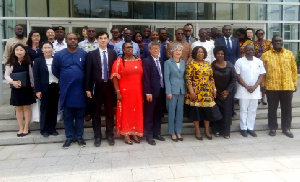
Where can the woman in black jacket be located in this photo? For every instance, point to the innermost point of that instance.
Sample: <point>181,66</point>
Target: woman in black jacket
<point>47,90</point>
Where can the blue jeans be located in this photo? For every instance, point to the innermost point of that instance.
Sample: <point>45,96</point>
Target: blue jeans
<point>73,130</point>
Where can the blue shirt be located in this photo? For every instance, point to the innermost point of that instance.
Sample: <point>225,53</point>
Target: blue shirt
<point>119,51</point>
<point>69,69</point>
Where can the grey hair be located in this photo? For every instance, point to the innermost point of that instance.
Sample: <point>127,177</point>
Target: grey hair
<point>152,43</point>
<point>175,46</point>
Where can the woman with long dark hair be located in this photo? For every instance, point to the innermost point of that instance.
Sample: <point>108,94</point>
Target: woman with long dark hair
<point>47,90</point>
<point>22,95</point>
<point>33,45</point>
<point>127,73</point>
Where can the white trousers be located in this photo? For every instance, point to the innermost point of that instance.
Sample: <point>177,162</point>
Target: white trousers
<point>248,109</point>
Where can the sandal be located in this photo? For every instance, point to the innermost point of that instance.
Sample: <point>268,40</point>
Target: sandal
<point>136,140</point>
<point>226,137</point>
<point>217,134</point>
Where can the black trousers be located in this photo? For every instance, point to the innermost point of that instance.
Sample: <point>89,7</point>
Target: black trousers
<point>49,108</point>
<point>152,115</point>
<point>103,94</point>
<point>285,98</point>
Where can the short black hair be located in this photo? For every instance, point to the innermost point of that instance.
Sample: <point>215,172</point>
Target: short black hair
<point>189,24</point>
<point>195,51</point>
<point>274,36</point>
<point>114,28</point>
<point>101,33</point>
<point>249,29</point>
<point>45,42</point>
<point>242,31</point>
<point>259,30</point>
<point>219,48</point>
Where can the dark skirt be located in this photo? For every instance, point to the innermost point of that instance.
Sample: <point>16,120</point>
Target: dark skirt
<point>202,113</point>
<point>22,96</point>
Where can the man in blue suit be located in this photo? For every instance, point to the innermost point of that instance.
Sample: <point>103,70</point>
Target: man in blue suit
<point>232,44</point>
<point>153,93</point>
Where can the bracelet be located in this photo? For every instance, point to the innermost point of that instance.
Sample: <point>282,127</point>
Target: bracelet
<point>117,91</point>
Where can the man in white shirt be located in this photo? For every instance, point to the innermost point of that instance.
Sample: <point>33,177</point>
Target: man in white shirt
<point>208,45</point>
<point>250,71</point>
<point>60,43</point>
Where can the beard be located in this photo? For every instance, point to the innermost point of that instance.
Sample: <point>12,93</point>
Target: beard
<point>72,46</point>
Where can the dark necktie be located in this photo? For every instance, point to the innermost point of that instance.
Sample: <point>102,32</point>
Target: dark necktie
<point>159,72</point>
<point>187,39</point>
<point>105,66</point>
<point>228,45</point>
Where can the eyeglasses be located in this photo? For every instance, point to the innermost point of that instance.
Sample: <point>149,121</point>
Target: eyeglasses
<point>91,31</point>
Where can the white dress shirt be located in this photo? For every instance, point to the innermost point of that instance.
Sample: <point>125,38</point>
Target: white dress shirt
<point>102,59</point>
<point>58,47</point>
<point>52,78</point>
<point>209,46</point>
<point>229,41</point>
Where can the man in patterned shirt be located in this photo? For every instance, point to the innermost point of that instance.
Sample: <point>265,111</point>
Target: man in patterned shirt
<point>280,83</point>
<point>91,43</point>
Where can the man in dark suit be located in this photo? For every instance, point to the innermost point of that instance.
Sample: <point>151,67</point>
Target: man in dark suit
<point>232,44</point>
<point>188,34</point>
<point>153,93</point>
<point>98,68</point>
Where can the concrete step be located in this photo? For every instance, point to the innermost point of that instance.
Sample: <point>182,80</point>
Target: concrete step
<point>10,137</point>
<point>11,125</point>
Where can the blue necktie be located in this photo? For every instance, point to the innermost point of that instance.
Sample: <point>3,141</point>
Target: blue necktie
<point>159,72</point>
<point>105,66</point>
<point>187,39</point>
<point>228,45</point>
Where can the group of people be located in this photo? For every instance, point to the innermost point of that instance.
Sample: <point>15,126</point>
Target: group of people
<point>189,77</point>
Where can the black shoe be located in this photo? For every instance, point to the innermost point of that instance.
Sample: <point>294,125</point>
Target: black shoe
<point>244,133</point>
<point>45,134</point>
<point>272,133</point>
<point>67,144</point>
<point>111,141</point>
<point>159,137</point>
<point>151,141</point>
<point>54,133</point>
<point>252,133</point>
<point>19,134</point>
<point>288,133</point>
<point>208,137</point>
<point>174,140</point>
<point>199,138</point>
<point>97,142</point>
<point>81,143</point>
<point>180,139</point>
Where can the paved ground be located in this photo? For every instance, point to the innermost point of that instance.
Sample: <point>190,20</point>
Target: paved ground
<point>263,158</point>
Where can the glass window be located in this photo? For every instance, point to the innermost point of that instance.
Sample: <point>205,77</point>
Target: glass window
<point>290,12</point>
<point>143,10</point>
<point>165,11</point>
<point>223,11</point>
<point>37,8</point>
<point>100,8</point>
<point>290,31</point>
<point>273,29</point>
<point>80,8</point>
<point>274,12</point>
<point>14,8</point>
<point>258,12</point>
<point>240,12</point>
<point>206,11</point>
<point>9,28</point>
<point>186,11</point>
<point>58,8</point>
<point>292,46</point>
<point>121,9</point>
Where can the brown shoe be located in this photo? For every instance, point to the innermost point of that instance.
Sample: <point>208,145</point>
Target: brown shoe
<point>87,118</point>
<point>288,133</point>
<point>272,133</point>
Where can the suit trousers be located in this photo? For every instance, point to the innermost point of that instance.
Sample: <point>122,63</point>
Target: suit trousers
<point>103,94</point>
<point>285,98</point>
<point>152,115</point>
<point>248,108</point>
<point>48,109</point>
<point>175,113</point>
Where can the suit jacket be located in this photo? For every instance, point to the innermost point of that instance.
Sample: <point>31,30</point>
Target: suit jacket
<point>235,49</point>
<point>93,73</point>
<point>41,75</point>
<point>174,77</point>
<point>151,77</point>
<point>192,40</point>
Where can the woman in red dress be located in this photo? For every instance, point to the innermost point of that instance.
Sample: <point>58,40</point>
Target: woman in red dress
<point>127,72</point>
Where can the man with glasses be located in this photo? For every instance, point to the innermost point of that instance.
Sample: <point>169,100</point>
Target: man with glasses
<point>127,38</point>
<point>91,43</point>
<point>187,51</point>
<point>188,34</point>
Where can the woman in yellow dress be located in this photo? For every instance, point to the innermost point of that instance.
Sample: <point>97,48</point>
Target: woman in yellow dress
<point>200,104</point>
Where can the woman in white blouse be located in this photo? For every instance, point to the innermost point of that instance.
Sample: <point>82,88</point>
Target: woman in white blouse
<point>47,90</point>
<point>22,96</point>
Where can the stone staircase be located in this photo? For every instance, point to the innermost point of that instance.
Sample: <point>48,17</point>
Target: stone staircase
<point>9,127</point>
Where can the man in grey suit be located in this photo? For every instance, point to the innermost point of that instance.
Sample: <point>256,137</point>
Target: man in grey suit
<point>188,35</point>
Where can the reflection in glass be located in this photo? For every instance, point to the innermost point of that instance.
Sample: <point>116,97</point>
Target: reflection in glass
<point>143,10</point>
<point>186,11</point>
<point>273,29</point>
<point>80,8</point>
<point>165,11</point>
<point>292,46</point>
<point>58,8</point>
<point>240,11</point>
<point>206,11</point>
<point>100,8</point>
<point>37,8</point>
<point>290,31</point>
<point>121,9</point>
<point>290,12</point>
<point>223,11</point>
<point>258,12</point>
<point>274,12</point>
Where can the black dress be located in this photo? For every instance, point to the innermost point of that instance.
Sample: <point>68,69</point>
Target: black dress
<point>225,79</point>
<point>24,95</point>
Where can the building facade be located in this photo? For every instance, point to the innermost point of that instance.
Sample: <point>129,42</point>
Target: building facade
<point>274,16</point>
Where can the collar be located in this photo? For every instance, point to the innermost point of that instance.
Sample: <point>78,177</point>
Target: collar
<point>101,50</point>
<point>62,43</point>
<point>155,58</point>
<point>281,51</point>
<point>227,38</point>
<point>87,41</point>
